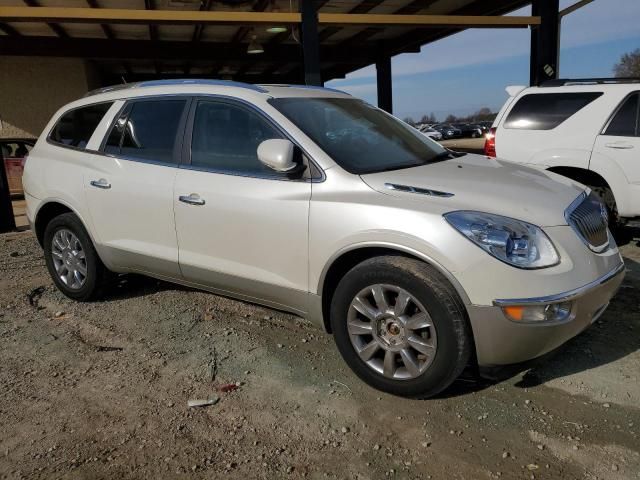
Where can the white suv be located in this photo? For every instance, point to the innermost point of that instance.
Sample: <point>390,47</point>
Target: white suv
<point>419,260</point>
<point>586,130</point>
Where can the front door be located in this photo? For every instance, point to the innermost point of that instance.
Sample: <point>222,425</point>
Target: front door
<point>242,228</point>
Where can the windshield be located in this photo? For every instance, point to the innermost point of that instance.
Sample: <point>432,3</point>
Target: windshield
<point>358,137</point>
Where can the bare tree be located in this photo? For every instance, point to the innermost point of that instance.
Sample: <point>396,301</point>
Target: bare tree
<point>629,65</point>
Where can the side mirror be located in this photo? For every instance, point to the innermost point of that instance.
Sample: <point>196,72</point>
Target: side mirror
<point>277,154</point>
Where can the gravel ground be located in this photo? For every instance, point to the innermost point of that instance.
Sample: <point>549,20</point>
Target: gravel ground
<point>100,390</point>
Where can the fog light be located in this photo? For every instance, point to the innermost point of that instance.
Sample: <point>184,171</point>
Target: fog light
<point>552,312</point>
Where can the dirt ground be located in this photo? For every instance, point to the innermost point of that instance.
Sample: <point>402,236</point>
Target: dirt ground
<point>100,390</point>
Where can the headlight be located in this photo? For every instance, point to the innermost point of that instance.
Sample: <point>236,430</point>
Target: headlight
<point>515,242</point>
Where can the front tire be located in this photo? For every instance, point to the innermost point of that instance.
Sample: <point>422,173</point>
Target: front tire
<point>400,326</point>
<point>72,260</point>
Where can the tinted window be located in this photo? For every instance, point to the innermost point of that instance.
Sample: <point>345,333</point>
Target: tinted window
<point>360,138</point>
<point>76,126</point>
<point>625,121</point>
<point>226,139</point>
<point>148,131</point>
<point>544,111</point>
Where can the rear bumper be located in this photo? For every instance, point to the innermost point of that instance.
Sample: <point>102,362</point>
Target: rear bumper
<point>500,341</point>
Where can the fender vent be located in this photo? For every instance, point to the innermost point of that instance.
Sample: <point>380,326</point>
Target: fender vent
<point>418,190</point>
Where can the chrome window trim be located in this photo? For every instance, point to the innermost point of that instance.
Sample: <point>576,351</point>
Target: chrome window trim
<point>259,111</point>
<point>561,297</point>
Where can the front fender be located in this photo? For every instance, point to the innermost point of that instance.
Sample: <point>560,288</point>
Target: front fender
<point>399,243</point>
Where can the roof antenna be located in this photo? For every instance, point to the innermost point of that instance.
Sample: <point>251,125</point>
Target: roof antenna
<point>123,79</point>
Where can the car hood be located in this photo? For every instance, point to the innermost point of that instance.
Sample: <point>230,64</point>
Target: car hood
<point>485,184</point>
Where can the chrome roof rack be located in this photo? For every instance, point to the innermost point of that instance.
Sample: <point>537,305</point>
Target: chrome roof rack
<point>179,81</point>
<point>310,87</point>
<point>560,82</point>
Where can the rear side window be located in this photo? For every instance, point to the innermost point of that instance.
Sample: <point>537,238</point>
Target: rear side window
<point>544,111</point>
<point>625,122</point>
<point>147,130</point>
<point>75,127</point>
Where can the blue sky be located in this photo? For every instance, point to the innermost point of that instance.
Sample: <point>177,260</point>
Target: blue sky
<point>465,72</point>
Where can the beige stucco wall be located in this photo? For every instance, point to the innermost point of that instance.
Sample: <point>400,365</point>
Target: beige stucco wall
<point>33,88</point>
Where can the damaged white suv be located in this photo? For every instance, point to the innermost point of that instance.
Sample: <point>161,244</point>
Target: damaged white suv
<point>418,260</point>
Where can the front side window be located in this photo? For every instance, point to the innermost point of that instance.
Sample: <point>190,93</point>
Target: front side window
<point>226,138</point>
<point>625,121</point>
<point>358,137</point>
<point>75,127</point>
<point>545,111</point>
<point>147,130</point>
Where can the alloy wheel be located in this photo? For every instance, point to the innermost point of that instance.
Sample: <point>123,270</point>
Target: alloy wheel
<point>391,332</point>
<point>69,259</point>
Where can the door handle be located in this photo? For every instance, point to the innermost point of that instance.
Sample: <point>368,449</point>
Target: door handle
<point>619,146</point>
<point>192,199</point>
<point>102,183</point>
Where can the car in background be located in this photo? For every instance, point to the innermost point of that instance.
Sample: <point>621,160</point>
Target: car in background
<point>486,126</point>
<point>430,132</point>
<point>469,129</point>
<point>14,152</point>
<point>587,130</point>
<point>448,131</point>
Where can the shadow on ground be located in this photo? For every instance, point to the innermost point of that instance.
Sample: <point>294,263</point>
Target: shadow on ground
<point>614,336</point>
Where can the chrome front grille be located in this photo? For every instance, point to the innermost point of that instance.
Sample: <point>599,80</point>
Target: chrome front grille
<point>588,217</point>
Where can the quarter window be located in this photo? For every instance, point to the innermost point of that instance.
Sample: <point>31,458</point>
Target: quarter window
<point>226,138</point>
<point>625,121</point>
<point>147,130</point>
<point>76,126</point>
<point>544,111</point>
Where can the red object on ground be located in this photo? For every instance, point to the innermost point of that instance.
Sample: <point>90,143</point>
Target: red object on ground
<point>229,387</point>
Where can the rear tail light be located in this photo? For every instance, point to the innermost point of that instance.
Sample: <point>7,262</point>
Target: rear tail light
<point>490,143</point>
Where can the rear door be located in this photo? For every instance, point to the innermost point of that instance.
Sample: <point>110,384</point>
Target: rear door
<point>242,228</point>
<point>129,186</point>
<point>619,142</point>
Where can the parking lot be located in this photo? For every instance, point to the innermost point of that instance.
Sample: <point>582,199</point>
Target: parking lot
<point>100,390</point>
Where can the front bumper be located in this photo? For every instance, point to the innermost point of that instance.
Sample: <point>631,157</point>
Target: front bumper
<point>500,341</point>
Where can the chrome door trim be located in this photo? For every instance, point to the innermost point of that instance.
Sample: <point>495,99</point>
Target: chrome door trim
<point>276,296</point>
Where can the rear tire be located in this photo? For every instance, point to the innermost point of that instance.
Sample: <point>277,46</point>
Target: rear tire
<point>429,349</point>
<point>72,261</point>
